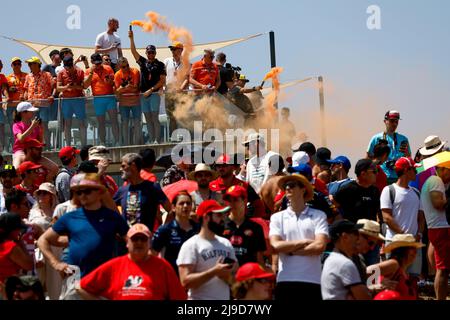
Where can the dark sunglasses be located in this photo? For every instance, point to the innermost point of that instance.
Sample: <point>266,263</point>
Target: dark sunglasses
<point>106,60</point>
<point>84,191</point>
<point>151,52</point>
<point>263,280</point>
<point>125,66</point>
<point>291,185</point>
<point>17,64</point>
<point>139,238</point>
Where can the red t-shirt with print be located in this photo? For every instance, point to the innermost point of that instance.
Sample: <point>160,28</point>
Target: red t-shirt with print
<point>123,279</point>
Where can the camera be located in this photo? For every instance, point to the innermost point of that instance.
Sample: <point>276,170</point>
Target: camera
<point>390,164</point>
<point>233,70</point>
<point>124,83</point>
<point>39,120</point>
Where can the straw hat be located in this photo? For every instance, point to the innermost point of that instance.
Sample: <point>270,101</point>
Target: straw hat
<point>402,240</point>
<point>370,228</point>
<point>301,179</point>
<point>201,167</point>
<point>432,144</point>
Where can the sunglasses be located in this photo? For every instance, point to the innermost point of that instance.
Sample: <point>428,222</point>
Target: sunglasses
<point>106,60</point>
<point>291,185</point>
<point>139,238</point>
<point>125,66</point>
<point>263,280</point>
<point>17,64</point>
<point>84,191</point>
<point>151,52</point>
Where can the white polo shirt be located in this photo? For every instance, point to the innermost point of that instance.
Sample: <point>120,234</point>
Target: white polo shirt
<point>289,227</point>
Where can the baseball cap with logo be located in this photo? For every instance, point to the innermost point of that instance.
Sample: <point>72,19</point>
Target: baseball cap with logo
<point>28,165</point>
<point>139,228</point>
<point>68,152</point>
<point>300,157</point>
<point>392,115</point>
<point>242,77</point>
<point>253,270</point>
<point>405,163</point>
<point>235,191</point>
<point>210,206</point>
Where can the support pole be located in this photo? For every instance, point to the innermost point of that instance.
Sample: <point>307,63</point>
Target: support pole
<point>322,113</point>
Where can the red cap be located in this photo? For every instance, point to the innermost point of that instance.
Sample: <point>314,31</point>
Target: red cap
<point>388,295</point>
<point>253,270</point>
<point>139,228</point>
<point>224,159</point>
<point>68,152</point>
<point>392,115</point>
<point>28,165</point>
<point>405,163</point>
<point>208,206</point>
<point>32,143</point>
<point>235,191</point>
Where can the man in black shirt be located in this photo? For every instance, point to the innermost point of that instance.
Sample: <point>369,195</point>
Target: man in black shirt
<point>360,199</point>
<point>246,236</point>
<point>153,79</point>
<point>226,75</point>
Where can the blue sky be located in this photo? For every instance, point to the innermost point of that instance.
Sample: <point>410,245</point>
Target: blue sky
<point>403,66</point>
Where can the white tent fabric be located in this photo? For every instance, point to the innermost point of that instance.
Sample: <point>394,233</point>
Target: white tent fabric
<point>43,49</point>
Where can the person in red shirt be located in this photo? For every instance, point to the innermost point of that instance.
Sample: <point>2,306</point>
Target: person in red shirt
<point>30,177</point>
<point>224,165</point>
<point>101,79</point>
<point>205,73</point>
<point>137,275</point>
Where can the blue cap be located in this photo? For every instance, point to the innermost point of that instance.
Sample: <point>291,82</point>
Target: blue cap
<point>303,168</point>
<point>341,159</point>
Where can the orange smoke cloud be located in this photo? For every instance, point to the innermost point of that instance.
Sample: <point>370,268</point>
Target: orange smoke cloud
<point>156,23</point>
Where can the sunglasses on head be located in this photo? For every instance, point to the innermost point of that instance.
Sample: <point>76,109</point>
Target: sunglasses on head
<point>84,191</point>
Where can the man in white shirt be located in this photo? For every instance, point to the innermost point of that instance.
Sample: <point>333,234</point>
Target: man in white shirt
<point>340,278</point>
<point>298,235</point>
<point>434,204</point>
<point>175,82</point>
<point>258,167</point>
<point>402,209</point>
<point>206,261</point>
<point>109,42</point>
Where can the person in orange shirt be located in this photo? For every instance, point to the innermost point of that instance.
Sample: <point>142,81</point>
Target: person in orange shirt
<point>101,79</point>
<point>205,73</point>
<point>71,82</point>
<point>127,90</point>
<point>40,89</point>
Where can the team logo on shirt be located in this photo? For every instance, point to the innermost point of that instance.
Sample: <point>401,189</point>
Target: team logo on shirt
<point>133,282</point>
<point>248,232</point>
<point>236,240</point>
<point>226,232</point>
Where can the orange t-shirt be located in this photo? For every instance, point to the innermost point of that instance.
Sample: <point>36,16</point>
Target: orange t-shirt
<point>15,87</point>
<point>205,73</point>
<point>39,86</point>
<point>130,96</point>
<point>99,85</point>
<point>74,77</point>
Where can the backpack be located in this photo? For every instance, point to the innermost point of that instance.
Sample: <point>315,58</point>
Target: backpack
<point>392,193</point>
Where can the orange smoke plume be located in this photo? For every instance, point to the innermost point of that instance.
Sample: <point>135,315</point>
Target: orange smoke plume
<point>157,22</point>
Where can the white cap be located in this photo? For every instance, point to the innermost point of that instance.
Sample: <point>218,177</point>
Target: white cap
<point>26,106</point>
<point>300,157</point>
<point>253,137</point>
